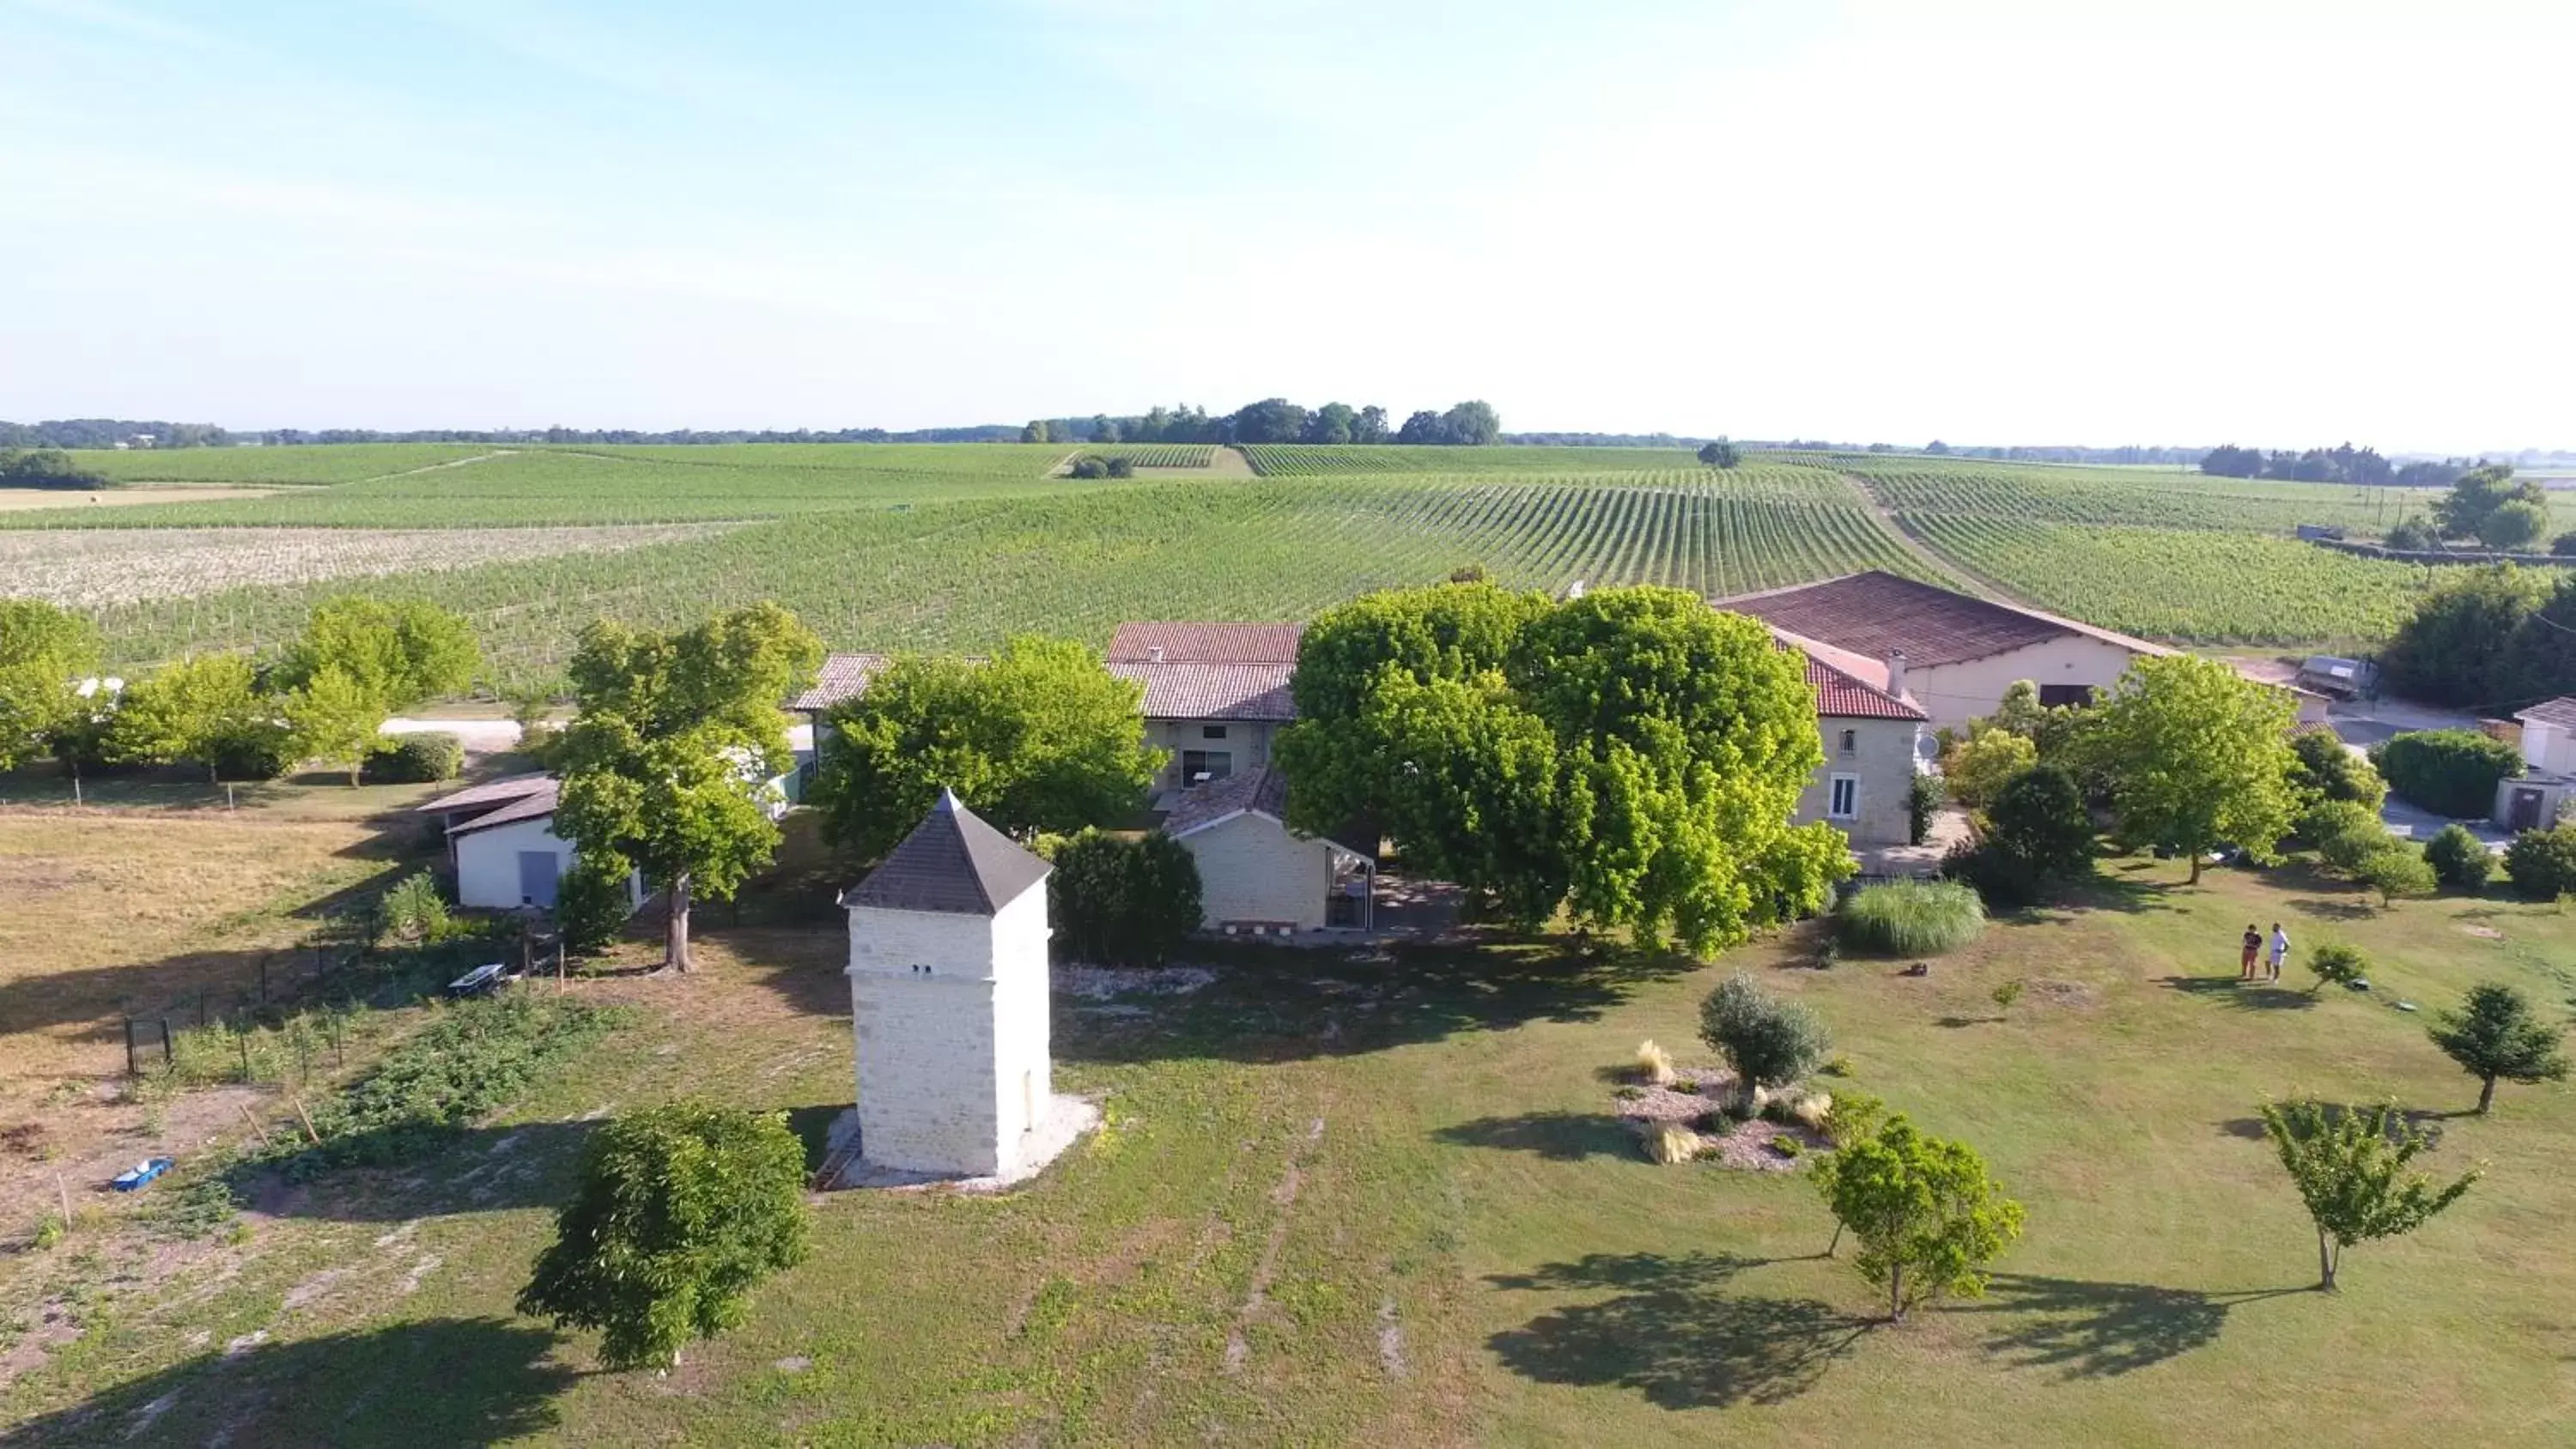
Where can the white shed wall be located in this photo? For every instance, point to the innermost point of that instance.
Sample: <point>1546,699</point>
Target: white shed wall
<point>1953,694</point>
<point>1252,868</point>
<point>487,861</point>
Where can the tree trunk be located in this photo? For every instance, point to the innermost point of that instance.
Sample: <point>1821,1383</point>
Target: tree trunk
<point>1838,1239</point>
<point>2325,1261</point>
<point>2195,867</point>
<point>1895,1295</point>
<point>675,938</point>
<point>2486,1095</point>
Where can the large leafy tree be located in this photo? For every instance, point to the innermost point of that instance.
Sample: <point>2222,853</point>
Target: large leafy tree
<point>680,1212</point>
<point>2197,756</point>
<point>401,651</point>
<point>2454,647</point>
<point>1038,738</point>
<point>334,719</point>
<point>2496,1036</point>
<point>675,734</point>
<point>1630,755</point>
<point>193,710</point>
<point>45,656</point>
<point>2472,501</point>
<point>1927,1216</point>
<point>2351,1171</point>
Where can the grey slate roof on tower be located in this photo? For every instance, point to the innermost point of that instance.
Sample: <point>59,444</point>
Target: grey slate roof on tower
<point>952,861</point>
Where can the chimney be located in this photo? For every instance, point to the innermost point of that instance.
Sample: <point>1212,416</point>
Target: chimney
<point>1896,672</point>
<point>1154,654</point>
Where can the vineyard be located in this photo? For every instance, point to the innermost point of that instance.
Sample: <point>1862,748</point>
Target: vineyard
<point>972,571</point>
<point>1158,455</point>
<point>1319,460</point>
<point>2199,586</point>
<point>1920,487</point>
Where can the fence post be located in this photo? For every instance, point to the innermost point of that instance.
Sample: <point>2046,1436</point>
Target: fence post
<point>130,1069</point>
<point>242,1039</point>
<point>169,1056</point>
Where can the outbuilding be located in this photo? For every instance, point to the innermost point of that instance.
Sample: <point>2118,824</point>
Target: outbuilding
<point>502,843</point>
<point>1257,876</point>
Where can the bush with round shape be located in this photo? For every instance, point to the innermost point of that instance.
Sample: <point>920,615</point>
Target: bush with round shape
<point>415,759</point>
<point>2541,864</point>
<point>2449,772</point>
<point>2395,870</point>
<point>2411,535</point>
<point>592,905</point>
<point>1910,918</point>
<point>1980,766</point>
<point>1766,1041</point>
<point>1672,1143</point>
<point>2330,768</point>
<point>2460,860</point>
<point>2338,964</point>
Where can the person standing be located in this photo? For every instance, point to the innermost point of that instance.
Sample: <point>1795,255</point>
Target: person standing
<point>2280,949</point>
<point>2253,951</point>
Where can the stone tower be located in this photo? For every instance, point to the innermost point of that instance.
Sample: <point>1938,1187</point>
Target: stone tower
<point>948,1002</point>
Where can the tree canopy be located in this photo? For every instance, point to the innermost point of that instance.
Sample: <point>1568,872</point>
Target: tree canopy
<point>400,651</point>
<point>2495,1036</point>
<point>2196,756</point>
<point>1631,756</point>
<point>2350,1167</point>
<point>1927,1216</point>
<point>2474,499</point>
<point>1039,738</point>
<point>194,710</point>
<point>46,654</point>
<point>676,733</point>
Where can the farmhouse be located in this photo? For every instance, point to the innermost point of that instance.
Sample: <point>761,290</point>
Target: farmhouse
<point>1255,874</point>
<point>1872,727</point>
<point>1215,694</point>
<point>501,841</point>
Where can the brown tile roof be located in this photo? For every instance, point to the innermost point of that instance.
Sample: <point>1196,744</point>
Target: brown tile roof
<point>2560,712</point>
<point>489,794</point>
<point>1848,685</point>
<point>1876,614</point>
<point>1180,643</point>
<point>535,805</point>
<point>1260,789</point>
<point>843,677</point>
<point>951,862</point>
<point>1213,691</point>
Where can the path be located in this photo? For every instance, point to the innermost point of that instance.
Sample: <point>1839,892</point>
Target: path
<point>499,736</point>
<point>434,467</point>
<point>1941,565</point>
<point>123,496</point>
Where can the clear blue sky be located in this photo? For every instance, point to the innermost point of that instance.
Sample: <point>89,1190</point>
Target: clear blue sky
<point>2276,223</point>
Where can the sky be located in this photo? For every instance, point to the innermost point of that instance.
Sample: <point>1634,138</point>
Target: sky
<point>2278,224</point>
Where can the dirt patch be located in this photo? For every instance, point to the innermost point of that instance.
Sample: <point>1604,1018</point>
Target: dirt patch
<point>1693,1100</point>
<point>2484,933</point>
<point>29,498</point>
<point>2075,995</point>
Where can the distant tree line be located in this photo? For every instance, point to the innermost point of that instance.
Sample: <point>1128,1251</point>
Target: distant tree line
<point>2343,463</point>
<point>108,432</point>
<point>1275,420</point>
<point>45,468</point>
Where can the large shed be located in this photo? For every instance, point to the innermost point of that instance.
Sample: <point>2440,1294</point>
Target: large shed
<point>1257,876</point>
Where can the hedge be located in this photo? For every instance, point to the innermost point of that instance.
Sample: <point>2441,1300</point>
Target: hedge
<point>2449,772</point>
<point>415,759</point>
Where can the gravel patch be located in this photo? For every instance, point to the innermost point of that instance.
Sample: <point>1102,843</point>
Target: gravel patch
<point>1744,1145</point>
<point>1099,983</point>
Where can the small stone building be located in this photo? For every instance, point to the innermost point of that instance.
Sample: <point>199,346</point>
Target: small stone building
<point>1257,876</point>
<point>948,1004</point>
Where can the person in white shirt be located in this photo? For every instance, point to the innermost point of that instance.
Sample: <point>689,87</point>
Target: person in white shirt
<point>2280,949</point>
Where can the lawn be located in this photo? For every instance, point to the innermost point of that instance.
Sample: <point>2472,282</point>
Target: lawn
<point>1347,1200</point>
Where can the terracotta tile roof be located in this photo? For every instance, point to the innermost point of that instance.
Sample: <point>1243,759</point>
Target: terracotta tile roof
<point>2560,712</point>
<point>951,862</point>
<point>535,805</point>
<point>489,794</point>
<point>843,676</point>
<point>1260,789</point>
<point>1180,643</point>
<point>1848,685</point>
<point>1875,614</point>
<point>1213,691</point>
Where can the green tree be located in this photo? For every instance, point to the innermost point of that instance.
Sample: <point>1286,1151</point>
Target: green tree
<point>193,710</point>
<point>1473,424</point>
<point>401,651</point>
<point>1720,454</point>
<point>2350,1168</point>
<point>2496,1036</point>
<point>1034,432</point>
<point>1925,1212</point>
<point>2394,869</point>
<point>676,732</point>
<point>1978,768</point>
<point>1330,423</point>
<point>2452,647</point>
<point>333,718</point>
<point>45,656</point>
<point>2541,864</point>
<point>2515,524</point>
<point>2197,756</point>
<point>680,1211</point>
<point>1039,738</point>
<point>2479,493</point>
<point>2331,771</point>
<point>1120,902</point>
<point>1369,425</point>
<point>2337,964</point>
<point>2019,711</point>
<point>1767,1042</point>
<point>2459,859</point>
<point>592,903</point>
<point>1271,420</point>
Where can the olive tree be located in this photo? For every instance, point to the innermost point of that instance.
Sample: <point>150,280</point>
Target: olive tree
<point>1767,1042</point>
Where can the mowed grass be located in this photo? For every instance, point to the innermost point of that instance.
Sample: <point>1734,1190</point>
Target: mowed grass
<point>1383,1201</point>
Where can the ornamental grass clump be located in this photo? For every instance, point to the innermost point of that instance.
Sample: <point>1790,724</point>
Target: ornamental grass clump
<point>1911,918</point>
<point>1654,1065</point>
<point>1672,1143</point>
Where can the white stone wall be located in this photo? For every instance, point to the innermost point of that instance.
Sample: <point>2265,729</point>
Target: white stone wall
<point>1247,740</point>
<point>1882,757</point>
<point>1953,694</point>
<point>949,1014</point>
<point>1252,869</point>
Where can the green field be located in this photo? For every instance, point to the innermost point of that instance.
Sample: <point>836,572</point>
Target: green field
<point>339,463</point>
<point>1302,460</point>
<point>1157,455</point>
<point>1929,486</point>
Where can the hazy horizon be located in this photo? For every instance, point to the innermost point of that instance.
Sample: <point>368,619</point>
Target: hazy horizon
<point>2282,225</point>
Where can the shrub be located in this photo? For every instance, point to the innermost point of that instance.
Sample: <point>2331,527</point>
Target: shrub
<point>2449,772</point>
<point>1121,466</point>
<point>2008,993</point>
<point>2343,833</point>
<point>1979,767</point>
<point>1911,918</point>
<point>2541,864</point>
<point>591,904</point>
<point>415,759</point>
<point>1089,468</point>
<point>1786,1145</point>
<point>413,910</point>
<point>1927,1214</point>
<point>2338,964</point>
<point>1922,802</point>
<point>539,742</point>
<point>1768,1042</point>
<point>2496,1035</point>
<point>2412,535</point>
<point>1672,1143</point>
<point>1851,1116</point>
<point>255,752</point>
<point>2394,870</point>
<point>2329,767</point>
<point>2459,859</point>
<point>1654,1064</point>
<point>1813,1111</point>
<point>2564,545</point>
<point>681,1210</point>
<point>1123,903</point>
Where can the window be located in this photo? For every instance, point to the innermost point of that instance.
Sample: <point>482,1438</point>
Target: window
<point>1851,742</point>
<point>1200,766</point>
<point>2074,695</point>
<point>1844,797</point>
<point>1211,732</point>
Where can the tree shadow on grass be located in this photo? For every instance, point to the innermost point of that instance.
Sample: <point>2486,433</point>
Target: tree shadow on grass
<point>2322,909</point>
<point>2102,1330</point>
<point>1282,1003</point>
<point>1672,1334</point>
<point>2242,995</point>
<point>440,1382</point>
<point>2423,1119</point>
<point>461,1170</point>
<point>1556,1136</point>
